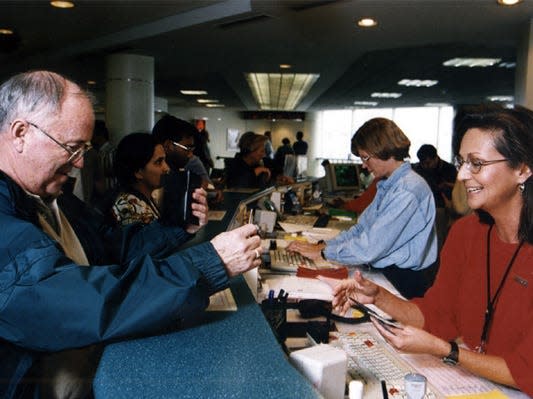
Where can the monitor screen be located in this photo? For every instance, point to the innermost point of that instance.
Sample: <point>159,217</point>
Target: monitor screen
<point>343,177</point>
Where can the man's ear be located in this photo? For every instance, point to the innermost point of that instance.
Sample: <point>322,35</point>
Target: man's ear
<point>17,132</point>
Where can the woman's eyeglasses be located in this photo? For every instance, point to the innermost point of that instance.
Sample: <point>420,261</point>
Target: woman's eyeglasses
<point>472,164</point>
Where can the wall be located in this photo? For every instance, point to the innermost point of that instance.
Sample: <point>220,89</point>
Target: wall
<point>220,120</point>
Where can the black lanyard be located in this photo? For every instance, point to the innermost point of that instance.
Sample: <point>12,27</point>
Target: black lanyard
<point>491,303</point>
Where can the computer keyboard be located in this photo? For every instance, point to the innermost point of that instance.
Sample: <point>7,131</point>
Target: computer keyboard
<point>370,362</point>
<point>285,261</point>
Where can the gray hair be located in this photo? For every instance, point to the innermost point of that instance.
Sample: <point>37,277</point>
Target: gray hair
<point>36,92</point>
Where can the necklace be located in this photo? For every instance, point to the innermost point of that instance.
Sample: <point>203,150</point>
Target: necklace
<point>491,302</point>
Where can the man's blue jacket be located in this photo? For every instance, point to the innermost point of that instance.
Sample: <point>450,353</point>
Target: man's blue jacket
<point>138,285</point>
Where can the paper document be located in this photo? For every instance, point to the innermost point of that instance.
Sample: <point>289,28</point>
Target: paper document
<point>294,228</point>
<point>453,381</point>
<point>299,287</point>
<point>320,233</point>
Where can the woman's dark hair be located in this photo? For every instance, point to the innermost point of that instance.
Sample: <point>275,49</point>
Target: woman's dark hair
<point>133,153</point>
<point>250,141</point>
<point>382,139</point>
<point>512,131</point>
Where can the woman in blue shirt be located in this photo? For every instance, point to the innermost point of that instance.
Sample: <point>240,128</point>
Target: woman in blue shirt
<point>396,232</point>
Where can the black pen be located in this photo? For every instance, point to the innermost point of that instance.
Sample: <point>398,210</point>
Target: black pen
<point>384,389</point>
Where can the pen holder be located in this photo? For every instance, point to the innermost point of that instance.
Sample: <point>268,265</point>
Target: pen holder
<point>275,312</point>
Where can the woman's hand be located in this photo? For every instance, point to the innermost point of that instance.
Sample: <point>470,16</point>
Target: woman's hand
<point>358,288</point>
<point>311,251</point>
<point>413,340</point>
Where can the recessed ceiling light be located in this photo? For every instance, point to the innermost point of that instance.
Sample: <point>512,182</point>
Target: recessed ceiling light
<point>215,105</point>
<point>437,105</point>
<point>385,95</point>
<point>471,62</point>
<point>5,31</point>
<point>62,4</point>
<point>285,66</point>
<point>367,22</point>
<point>206,100</point>
<point>193,92</point>
<point>500,98</point>
<point>417,82</point>
<point>280,91</point>
<point>509,2</point>
<point>91,82</point>
<point>366,103</point>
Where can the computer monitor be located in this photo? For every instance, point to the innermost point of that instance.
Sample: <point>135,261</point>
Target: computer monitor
<point>342,177</point>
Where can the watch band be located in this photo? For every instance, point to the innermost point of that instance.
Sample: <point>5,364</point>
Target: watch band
<point>453,357</point>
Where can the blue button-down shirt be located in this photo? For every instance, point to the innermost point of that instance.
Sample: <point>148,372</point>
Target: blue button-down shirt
<point>397,228</point>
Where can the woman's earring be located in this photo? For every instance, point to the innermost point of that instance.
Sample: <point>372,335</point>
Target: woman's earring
<point>521,187</point>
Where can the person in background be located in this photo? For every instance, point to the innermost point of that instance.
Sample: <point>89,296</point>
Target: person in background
<point>246,169</point>
<point>396,232</point>
<point>300,146</point>
<point>359,203</point>
<point>478,314</point>
<point>281,153</point>
<point>139,166</point>
<point>439,174</point>
<point>69,283</point>
<point>177,138</point>
<point>201,145</point>
<point>269,149</point>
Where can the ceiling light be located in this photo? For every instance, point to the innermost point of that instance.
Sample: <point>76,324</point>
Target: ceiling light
<point>471,62</point>
<point>500,98</point>
<point>5,31</point>
<point>285,66</point>
<point>366,103</point>
<point>206,100</point>
<point>509,2</point>
<point>385,95</point>
<point>193,92</point>
<point>210,105</point>
<point>91,82</point>
<point>62,4</point>
<point>367,22</point>
<point>437,105</point>
<point>280,91</point>
<point>417,82</point>
<point>507,65</point>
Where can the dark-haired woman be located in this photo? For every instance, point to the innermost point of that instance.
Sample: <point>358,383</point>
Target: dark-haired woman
<point>395,234</point>
<point>483,294</point>
<point>139,166</point>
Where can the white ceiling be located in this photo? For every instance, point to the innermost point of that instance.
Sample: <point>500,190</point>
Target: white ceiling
<point>210,44</point>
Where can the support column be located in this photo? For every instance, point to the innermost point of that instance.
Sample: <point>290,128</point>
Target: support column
<point>129,95</point>
<point>524,69</point>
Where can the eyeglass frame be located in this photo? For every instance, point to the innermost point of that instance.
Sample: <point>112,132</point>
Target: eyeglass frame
<point>75,154</point>
<point>184,147</point>
<point>365,159</point>
<point>458,162</point>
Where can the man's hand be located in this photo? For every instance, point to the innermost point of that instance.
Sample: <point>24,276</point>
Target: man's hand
<point>239,249</point>
<point>199,209</point>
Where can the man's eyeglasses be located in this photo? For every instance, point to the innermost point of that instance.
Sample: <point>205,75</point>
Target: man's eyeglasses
<point>184,147</point>
<point>365,159</point>
<point>76,153</point>
<point>472,164</point>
